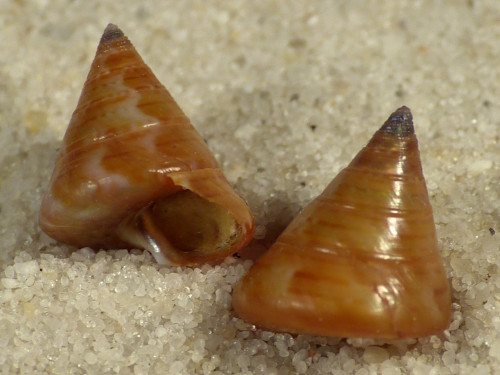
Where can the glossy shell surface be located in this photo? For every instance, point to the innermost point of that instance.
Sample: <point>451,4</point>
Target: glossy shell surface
<point>362,259</point>
<point>128,156</point>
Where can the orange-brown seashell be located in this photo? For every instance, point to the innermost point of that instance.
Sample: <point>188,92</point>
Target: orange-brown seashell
<point>133,172</point>
<point>362,259</point>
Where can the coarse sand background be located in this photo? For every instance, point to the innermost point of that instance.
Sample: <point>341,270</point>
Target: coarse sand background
<point>285,93</point>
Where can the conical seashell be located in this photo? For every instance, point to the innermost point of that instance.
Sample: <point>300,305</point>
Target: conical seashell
<point>133,171</point>
<point>361,260</point>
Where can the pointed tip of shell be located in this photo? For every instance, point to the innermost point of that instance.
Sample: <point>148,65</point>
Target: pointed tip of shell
<point>111,32</point>
<point>399,122</point>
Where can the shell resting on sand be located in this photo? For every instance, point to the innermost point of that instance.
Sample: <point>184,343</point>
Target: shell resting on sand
<point>362,259</point>
<point>133,172</point>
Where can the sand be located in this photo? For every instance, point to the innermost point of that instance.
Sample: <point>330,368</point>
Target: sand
<point>285,95</point>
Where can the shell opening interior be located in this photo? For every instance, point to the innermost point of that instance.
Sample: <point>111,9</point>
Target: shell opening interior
<point>185,225</point>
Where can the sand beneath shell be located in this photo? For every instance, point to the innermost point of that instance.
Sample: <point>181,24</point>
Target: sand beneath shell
<point>285,94</point>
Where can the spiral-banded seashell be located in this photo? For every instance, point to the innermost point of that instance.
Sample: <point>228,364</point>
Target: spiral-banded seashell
<point>133,172</point>
<point>362,259</point>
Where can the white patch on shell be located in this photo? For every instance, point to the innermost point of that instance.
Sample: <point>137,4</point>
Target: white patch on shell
<point>103,179</point>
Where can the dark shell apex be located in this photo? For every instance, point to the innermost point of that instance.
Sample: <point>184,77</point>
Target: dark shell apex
<point>111,32</point>
<point>399,122</point>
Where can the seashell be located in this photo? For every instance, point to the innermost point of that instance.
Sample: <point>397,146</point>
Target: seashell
<point>133,172</point>
<point>361,260</point>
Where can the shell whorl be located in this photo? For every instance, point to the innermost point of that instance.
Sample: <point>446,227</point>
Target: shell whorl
<point>361,260</point>
<point>129,146</point>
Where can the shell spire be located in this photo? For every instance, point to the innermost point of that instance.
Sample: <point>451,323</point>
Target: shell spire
<point>133,172</point>
<point>361,260</point>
